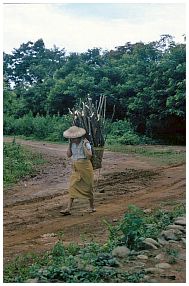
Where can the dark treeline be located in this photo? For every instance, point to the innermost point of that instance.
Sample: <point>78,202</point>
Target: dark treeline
<point>145,82</point>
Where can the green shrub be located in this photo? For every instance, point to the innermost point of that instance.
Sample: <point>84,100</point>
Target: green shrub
<point>18,162</point>
<point>136,226</point>
<point>133,227</point>
<point>8,125</point>
<point>40,127</point>
<point>122,132</point>
<point>24,125</point>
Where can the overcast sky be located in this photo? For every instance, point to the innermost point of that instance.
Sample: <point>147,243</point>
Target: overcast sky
<point>78,27</point>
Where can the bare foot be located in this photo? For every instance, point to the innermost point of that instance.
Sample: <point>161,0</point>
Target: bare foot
<point>65,212</point>
<point>90,210</point>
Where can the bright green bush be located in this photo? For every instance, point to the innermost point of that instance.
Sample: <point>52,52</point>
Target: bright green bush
<point>122,132</point>
<point>40,127</point>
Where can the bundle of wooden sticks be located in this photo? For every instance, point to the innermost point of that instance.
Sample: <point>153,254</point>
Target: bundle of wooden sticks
<point>91,117</point>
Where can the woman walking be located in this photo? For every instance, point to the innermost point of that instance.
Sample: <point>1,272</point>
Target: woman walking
<point>82,177</point>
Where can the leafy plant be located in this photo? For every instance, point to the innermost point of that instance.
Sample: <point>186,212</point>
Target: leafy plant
<point>133,227</point>
<point>19,162</point>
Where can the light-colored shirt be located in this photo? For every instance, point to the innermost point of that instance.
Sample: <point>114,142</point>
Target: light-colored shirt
<point>78,152</point>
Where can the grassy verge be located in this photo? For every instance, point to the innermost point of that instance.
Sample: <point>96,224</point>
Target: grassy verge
<point>34,139</point>
<point>164,155</point>
<point>18,162</point>
<point>93,262</point>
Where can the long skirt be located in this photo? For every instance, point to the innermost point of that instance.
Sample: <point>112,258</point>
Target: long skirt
<point>81,179</point>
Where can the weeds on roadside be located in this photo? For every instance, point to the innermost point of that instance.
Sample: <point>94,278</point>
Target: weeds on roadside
<point>164,155</point>
<point>93,262</point>
<point>18,162</point>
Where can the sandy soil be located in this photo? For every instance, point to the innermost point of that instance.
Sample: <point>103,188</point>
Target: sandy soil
<point>32,219</point>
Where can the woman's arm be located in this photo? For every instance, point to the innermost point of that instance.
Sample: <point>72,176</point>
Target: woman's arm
<point>69,150</point>
<point>87,149</point>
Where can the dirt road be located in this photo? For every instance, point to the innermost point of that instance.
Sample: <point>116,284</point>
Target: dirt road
<point>32,221</point>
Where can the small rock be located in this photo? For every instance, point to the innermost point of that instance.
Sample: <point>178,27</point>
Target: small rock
<point>143,257</point>
<point>163,265</point>
<point>153,270</point>
<point>173,241</point>
<point>162,241</point>
<point>169,276</point>
<point>115,220</point>
<point>160,256</point>
<point>180,217</point>
<point>171,234</point>
<point>148,245</point>
<point>183,239</point>
<point>182,256</point>
<point>181,221</point>
<point>153,280</point>
<point>35,280</point>
<point>146,278</point>
<point>147,211</point>
<point>151,240</point>
<point>176,226</point>
<point>120,251</point>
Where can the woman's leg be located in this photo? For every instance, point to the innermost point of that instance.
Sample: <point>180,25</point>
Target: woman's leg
<point>91,204</point>
<point>68,210</point>
<point>70,203</point>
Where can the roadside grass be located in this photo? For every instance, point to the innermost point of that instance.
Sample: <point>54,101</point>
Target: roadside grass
<point>19,162</point>
<point>16,138</point>
<point>162,154</point>
<point>92,261</point>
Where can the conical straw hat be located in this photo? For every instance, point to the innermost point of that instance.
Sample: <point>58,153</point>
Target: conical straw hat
<point>74,132</point>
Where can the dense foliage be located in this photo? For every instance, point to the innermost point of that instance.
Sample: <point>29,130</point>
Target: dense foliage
<point>145,82</point>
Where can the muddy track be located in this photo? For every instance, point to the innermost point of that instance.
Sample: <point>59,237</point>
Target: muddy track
<point>32,220</point>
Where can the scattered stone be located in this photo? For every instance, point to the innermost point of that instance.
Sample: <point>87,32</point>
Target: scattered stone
<point>173,241</point>
<point>160,256</point>
<point>163,265</point>
<point>171,234</point>
<point>148,245</point>
<point>183,239</point>
<point>120,251</point>
<point>180,217</point>
<point>35,280</point>
<point>143,257</point>
<point>153,281</point>
<point>139,264</point>
<point>136,268</point>
<point>168,276</point>
<point>146,278</point>
<point>147,211</point>
<point>176,226</point>
<point>182,256</point>
<point>162,241</point>
<point>181,221</point>
<point>115,220</point>
<point>153,270</point>
<point>153,241</point>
